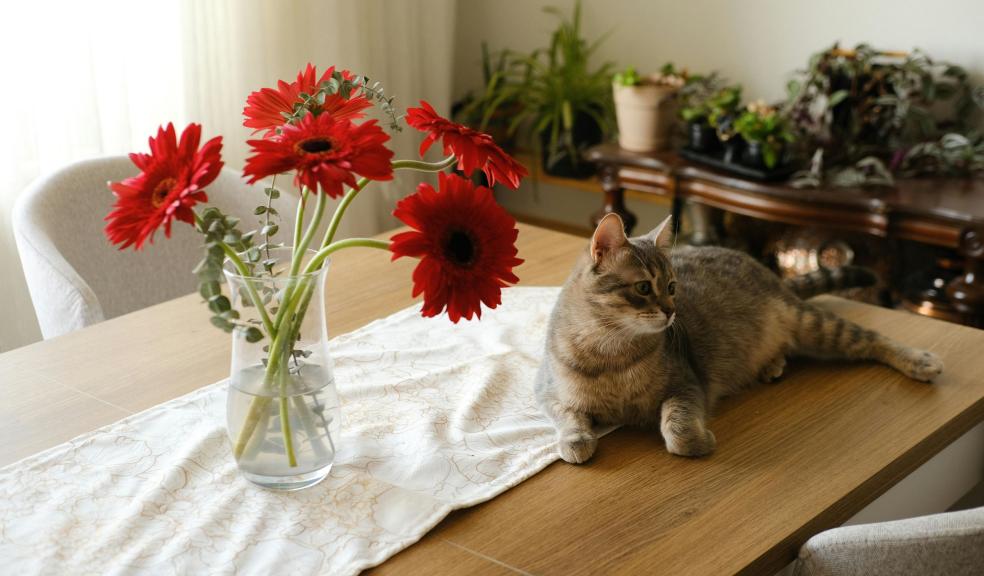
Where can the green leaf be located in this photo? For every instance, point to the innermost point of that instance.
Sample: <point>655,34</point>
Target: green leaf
<point>837,97</point>
<point>273,193</point>
<point>219,304</point>
<point>209,289</point>
<point>770,155</point>
<point>260,210</point>
<point>793,88</point>
<point>253,335</point>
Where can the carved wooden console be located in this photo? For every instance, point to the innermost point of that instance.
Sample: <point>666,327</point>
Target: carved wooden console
<point>945,213</point>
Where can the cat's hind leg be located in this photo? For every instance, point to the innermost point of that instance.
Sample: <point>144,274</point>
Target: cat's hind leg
<point>683,422</point>
<point>822,333</point>
<point>773,369</point>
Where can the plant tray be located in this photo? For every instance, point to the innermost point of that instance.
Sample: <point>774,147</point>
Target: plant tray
<point>716,160</point>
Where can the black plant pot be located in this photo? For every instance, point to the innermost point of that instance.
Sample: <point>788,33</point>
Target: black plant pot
<point>733,149</point>
<point>586,133</point>
<point>753,157</point>
<point>702,137</point>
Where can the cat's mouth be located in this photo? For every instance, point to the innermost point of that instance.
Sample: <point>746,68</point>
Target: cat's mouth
<point>667,322</point>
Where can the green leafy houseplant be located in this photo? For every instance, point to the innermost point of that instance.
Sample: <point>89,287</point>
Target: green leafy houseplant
<point>874,107</point>
<point>695,96</point>
<point>765,126</point>
<point>724,106</point>
<point>491,109</point>
<point>564,102</point>
<point>952,154</point>
<point>627,77</point>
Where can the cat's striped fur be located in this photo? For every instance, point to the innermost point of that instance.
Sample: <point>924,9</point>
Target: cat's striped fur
<point>618,352</point>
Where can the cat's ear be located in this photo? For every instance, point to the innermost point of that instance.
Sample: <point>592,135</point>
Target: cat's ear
<point>609,235</point>
<point>662,235</point>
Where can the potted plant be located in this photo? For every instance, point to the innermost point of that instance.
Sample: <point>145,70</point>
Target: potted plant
<point>566,104</point>
<point>694,104</point>
<point>491,109</point>
<point>722,110</point>
<point>766,132</point>
<point>862,114</point>
<point>645,108</point>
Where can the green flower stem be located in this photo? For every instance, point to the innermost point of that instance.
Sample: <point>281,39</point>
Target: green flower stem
<point>299,223</point>
<point>255,441</point>
<point>422,166</point>
<point>285,420</point>
<point>257,409</point>
<point>299,249</point>
<point>250,289</point>
<point>327,251</point>
<point>336,218</point>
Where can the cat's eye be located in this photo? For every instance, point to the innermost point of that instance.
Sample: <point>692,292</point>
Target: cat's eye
<point>644,288</point>
<point>671,288</point>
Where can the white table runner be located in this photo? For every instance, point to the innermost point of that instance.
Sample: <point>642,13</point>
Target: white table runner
<point>435,417</point>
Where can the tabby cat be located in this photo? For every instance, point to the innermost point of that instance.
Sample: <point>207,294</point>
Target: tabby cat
<point>644,336</point>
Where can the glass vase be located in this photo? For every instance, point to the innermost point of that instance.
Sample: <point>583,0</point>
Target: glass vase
<point>282,409</point>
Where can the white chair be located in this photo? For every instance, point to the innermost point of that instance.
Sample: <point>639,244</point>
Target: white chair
<point>951,543</point>
<point>77,278</point>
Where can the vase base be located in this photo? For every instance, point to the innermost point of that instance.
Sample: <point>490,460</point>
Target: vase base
<point>288,483</point>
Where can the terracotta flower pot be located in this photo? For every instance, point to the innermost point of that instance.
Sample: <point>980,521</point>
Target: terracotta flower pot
<point>646,114</point>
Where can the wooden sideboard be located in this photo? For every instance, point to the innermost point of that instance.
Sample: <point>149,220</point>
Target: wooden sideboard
<point>946,213</point>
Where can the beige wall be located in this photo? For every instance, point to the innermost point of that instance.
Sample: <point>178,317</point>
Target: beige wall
<point>755,42</point>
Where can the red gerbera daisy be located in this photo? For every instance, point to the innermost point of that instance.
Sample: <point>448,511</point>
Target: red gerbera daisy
<point>325,152</point>
<point>172,179</point>
<point>266,107</point>
<point>466,244</point>
<point>474,150</point>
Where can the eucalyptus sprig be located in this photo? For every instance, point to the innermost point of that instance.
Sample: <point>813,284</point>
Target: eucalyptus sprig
<point>222,235</point>
<point>346,87</point>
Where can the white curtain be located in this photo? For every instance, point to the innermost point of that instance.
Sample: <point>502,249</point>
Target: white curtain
<point>83,79</point>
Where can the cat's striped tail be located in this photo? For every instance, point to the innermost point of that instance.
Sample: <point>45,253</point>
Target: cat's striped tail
<point>827,280</point>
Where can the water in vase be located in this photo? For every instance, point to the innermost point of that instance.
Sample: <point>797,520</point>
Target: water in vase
<point>270,453</point>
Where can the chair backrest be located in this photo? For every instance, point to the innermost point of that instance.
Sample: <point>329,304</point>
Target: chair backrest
<point>951,543</point>
<point>76,277</point>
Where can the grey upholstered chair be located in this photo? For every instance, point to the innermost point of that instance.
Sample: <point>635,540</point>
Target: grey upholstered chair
<point>950,544</point>
<point>76,277</point>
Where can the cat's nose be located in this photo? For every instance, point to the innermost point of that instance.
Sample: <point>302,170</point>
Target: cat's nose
<point>668,310</point>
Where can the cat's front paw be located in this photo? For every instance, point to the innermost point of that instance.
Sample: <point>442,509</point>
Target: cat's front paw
<point>923,366</point>
<point>577,448</point>
<point>695,443</point>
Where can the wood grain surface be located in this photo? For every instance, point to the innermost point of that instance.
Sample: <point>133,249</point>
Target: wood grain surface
<point>793,458</point>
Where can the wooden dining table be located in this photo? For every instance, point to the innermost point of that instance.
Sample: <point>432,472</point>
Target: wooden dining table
<point>793,458</point>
